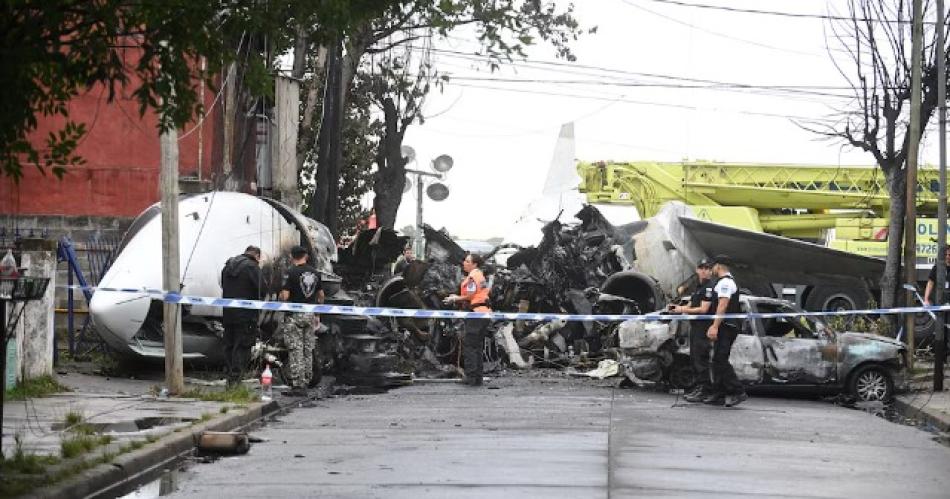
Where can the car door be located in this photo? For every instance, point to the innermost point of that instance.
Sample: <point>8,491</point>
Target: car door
<point>747,356</point>
<point>797,351</point>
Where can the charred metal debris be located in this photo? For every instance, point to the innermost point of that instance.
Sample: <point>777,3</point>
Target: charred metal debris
<point>576,269</point>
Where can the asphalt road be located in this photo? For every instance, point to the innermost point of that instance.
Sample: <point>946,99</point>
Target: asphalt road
<point>575,439</point>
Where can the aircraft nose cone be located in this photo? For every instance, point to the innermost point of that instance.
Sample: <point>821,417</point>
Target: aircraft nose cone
<point>118,316</point>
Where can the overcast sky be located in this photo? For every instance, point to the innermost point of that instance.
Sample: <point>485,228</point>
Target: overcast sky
<point>502,137</point>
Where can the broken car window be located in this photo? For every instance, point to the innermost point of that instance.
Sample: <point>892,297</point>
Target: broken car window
<point>797,326</point>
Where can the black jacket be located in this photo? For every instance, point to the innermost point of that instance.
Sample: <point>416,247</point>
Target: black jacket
<point>241,278</point>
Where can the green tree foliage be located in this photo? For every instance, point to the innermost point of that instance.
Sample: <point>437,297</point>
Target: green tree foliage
<point>54,50</point>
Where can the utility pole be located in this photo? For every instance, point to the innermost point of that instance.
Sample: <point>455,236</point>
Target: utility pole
<point>910,220</point>
<point>940,333</point>
<point>419,242</point>
<point>174,377</point>
<point>230,102</point>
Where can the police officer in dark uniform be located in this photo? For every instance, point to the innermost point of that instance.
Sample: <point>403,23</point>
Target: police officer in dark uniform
<point>302,284</point>
<point>930,290</point>
<point>700,303</point>
<point>240,279</point>
<point>727,389</point>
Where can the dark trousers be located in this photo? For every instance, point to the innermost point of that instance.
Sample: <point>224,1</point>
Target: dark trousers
<point>725,380</point>
<point>238,340</point>
<point>699,349</point>
<point>473,344</point>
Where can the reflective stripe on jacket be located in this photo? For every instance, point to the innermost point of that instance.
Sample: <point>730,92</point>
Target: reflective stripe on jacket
<point>475,289</point>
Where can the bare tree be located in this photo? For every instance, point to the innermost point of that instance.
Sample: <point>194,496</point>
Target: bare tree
<point>877,40</point>
<point>503,28</point>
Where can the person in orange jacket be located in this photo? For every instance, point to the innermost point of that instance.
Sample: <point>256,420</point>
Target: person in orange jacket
<point>473,296</point>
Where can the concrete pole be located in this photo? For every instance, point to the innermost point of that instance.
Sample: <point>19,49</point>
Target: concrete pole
<point>940,333</point>
<point>910,222</point>
<point>230,102</point>
<point>174,376</point>
<point>420,245</point>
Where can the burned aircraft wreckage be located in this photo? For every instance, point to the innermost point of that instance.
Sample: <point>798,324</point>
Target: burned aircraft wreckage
<point>582,268</point>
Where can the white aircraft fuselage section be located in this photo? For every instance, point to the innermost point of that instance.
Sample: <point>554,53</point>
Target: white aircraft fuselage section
<point>213,227</point>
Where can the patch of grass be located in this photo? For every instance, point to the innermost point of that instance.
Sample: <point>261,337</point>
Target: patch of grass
<point>73,418</point>
<point>151,438</point>
<point>35,387</point>
<point>76,423</point>
<point>224,409</point>
<point>131,446</point>
<point>25,463</point>
<point>75,445</point>
<point>206,416</point>
<point>24,472</point>
<point>106,363</point>
<point>235,395</point>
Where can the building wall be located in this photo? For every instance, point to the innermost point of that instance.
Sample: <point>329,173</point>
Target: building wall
<point>122,153</point>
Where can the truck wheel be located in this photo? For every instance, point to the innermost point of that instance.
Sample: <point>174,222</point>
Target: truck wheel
<point>833,299</point>
<point>871,383</point>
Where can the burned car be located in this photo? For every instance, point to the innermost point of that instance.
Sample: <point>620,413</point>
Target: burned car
<point>803,352</point>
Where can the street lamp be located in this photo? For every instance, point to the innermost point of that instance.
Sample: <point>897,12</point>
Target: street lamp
<point>437,191</point>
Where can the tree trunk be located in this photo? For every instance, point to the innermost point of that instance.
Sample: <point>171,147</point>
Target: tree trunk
<point>335,146</point>
<point>318,206</point>
<point>325,202</point>
<point>891,280</point>
<point>391,173</point>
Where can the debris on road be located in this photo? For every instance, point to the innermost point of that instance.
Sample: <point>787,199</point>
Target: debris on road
<point>222,442</point>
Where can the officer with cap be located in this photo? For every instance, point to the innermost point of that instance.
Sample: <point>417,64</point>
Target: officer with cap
<point>302,284</point>
<point>727,389</point>
<point>700,303</point>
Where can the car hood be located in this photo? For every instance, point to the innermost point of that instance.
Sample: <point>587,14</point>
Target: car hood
<point>853,337</point>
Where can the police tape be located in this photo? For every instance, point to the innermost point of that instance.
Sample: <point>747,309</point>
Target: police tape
<point>279,306</point>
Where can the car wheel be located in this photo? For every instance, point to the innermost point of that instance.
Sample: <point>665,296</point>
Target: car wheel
<point>681,373</point>
<point>871,384</point>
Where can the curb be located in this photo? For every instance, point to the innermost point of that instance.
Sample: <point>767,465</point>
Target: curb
<point>927,414</point>
<point>129,467</point>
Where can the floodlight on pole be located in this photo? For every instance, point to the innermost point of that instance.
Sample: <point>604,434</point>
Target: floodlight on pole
<point>437,191</point>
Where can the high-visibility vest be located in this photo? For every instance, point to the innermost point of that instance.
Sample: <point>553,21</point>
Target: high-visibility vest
<point>476,288</point>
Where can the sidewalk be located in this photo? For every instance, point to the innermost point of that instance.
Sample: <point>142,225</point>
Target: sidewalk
<point>110,431</point>
<point>924,404</point>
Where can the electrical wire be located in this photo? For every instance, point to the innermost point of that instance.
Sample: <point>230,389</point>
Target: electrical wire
<point>805,90</point>
<point>648,103</point>
<point>722,35</point>
<point>201,229</point>
<point>793,15</point>
<point>224,85</point>
<point>626,73</point>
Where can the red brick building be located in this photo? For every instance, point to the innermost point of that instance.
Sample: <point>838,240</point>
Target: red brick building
<point>121,149</point>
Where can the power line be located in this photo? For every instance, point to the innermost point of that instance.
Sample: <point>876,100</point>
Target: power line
<point>721,35</point>
<point>793,15</point>
<point>568,69</point>
<point>647,103</point>
<point>530,64</point>
<point>802,89</point>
